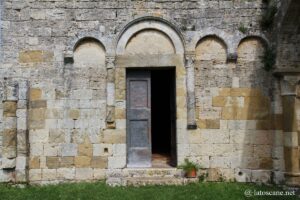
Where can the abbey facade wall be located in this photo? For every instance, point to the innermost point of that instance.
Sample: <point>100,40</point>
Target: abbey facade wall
<point>63,87</point>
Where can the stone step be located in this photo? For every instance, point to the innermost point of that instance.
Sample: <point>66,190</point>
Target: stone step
<point>153,172</point>
<point>158,181</point>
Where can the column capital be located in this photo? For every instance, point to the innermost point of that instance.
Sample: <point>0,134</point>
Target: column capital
<point>289,85</point>
<point>110,61</point>
<point>190,58</point>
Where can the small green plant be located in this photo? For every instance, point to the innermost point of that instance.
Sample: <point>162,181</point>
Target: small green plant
<point>243,29</point>
<point>189,166</point>
<point>268,17</point>
<point>269,59</point>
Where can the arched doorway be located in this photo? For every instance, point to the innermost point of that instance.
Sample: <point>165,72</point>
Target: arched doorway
<point>150,57</point>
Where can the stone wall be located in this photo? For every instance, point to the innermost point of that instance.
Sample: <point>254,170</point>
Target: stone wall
<point>74,55</point>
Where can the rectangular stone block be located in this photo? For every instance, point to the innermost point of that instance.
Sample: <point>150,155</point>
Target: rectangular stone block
<point>35,94</point>
<point>39,136</point>
<point>99,174</point>
<point>102,149</point>
<point>8,163</point>
<point>68,149</point>
<point>99,162</point>
<point>37,114</point>
<point>35,174</point>
<point>49,174</point>
<point>9,108</point>
<point>116,162</point>
<point>38,104</point>
<point>84,174</point>
<point>9,138</point>
<point>85,149</point>
<point>57,136</point>
<point>53,162</point>
<point>35,56</point>
<point>66,173</point>
<point>82,161</point>
<point>21,162</point>
<point>34,162</point>
<point>119,149</point>
<point>113,137</point>
<point>67,162</point>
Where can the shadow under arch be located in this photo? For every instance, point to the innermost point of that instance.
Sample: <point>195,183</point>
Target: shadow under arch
<point>149,22</point>
<point>216,38</point>
<point>87,39</point>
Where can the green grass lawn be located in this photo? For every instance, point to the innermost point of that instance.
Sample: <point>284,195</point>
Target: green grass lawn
<point>203,191</point>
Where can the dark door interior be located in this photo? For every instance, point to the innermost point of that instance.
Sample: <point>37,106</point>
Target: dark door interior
<point>162,100</point>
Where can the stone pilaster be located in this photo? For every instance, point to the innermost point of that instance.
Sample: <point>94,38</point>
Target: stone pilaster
<point>110,89</point>
<point>22,133</point>
<point>9,142</point>
<point>290,105</point>
<point>190,83</point>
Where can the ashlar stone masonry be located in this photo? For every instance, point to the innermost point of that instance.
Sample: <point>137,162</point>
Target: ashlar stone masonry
<point>63,73</point>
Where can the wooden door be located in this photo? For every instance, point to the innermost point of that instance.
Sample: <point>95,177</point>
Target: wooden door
<point>139,119</point>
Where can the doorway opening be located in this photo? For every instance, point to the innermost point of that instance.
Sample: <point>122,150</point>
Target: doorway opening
<point>151,118</point>
<point>163,118</point>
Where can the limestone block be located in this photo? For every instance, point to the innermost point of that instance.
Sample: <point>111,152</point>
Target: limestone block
<point>241,124</point>
<point>35,56</point>
<point>9,108</point>
<point>52,162</point>
<point>34,162</point>
<point>74,113</point>
<point>120,123</point>
<point>38,104</point>
<point>219,162</point>
<point>116,162</point>
<point>39,136</point>
<point>35,94</point>
<point>241,136</point>
<point>21,162</point>
<point>21,176</point>
<point>35,174</point>
<point>66,173</point>
<point>49,174</point>
<point>68,149</point>
<point>262,137</point>
<point>82,161</point>
<point>85,149</point>
<point>119,149</point>
<point>9,138</point>
<point>265,163</point>
<point>37,114</point>
<point>8,163</point>
<point>67,162</point>
<point>51,149</point>
<point>99,162</point>
<point>261,176</point>
<point>36,149</point>
<point>290,139</point>
<point>84,174</point>
<point>21,123</point>
<point>215,136</point>
<point>242,175</point>
<point>113,137</point>
<point>99,174</point>
<point>263,151</point>
<point>10,122</point>
<point>57,136</point>
<point>245,92</point>
<point>102,149</point>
